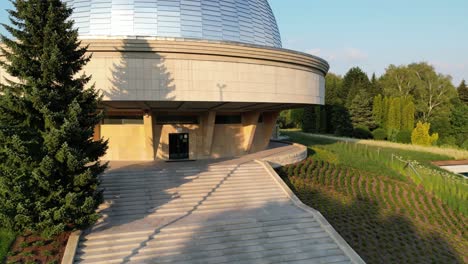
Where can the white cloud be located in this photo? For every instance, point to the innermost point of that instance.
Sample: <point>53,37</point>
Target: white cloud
<point>353,54</point>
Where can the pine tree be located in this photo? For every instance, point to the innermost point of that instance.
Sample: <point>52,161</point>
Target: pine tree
<point>309,121</point>
<point>463,92</point>
<point>375,87</point>
<point>49,161</point>
<point>341,121</point>
<point>354,81</point>
<point>361,111</point>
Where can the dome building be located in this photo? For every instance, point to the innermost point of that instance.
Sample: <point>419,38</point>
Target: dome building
<point>191,79</point>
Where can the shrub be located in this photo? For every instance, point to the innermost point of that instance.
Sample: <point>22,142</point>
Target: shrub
<point>362,133</point>
<point>448,141</point>
<point>465,144</point>
<point>421,136</point>
<point>403,137</point>
<point>379,134</point>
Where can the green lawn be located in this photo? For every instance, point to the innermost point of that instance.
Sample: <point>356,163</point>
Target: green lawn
<point>391,162</point>
<point>387,210</point>
<point>384,219</point>
<point>6,238</point>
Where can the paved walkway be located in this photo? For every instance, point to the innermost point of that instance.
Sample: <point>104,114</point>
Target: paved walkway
<point>231,211</point>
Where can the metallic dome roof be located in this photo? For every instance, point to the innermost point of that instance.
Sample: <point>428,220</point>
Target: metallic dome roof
<point>246,21</point>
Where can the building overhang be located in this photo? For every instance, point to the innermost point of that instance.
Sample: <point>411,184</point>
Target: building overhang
<point>175,106</point>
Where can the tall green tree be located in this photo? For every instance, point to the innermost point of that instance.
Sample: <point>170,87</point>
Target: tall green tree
<point>378,110</point>
<point>407,114</point>
<point>393,124</point>
<point>430,90</point>
<point>354,81</point>
<point>361,111</point>
<point>341,120</point>
<point>433,90</point>
<point>459,122</point>
<point>333,87</point>
<point>375,87</point>
<point>398,81</point>
<point>463,92</point>
<point>49,161</point>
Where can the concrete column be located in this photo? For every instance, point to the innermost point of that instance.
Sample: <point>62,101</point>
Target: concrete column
<point>97,132</point>
<point>249,124</point>
<point>149,142</point>
<point>269,123</point>
<point>208,126</point>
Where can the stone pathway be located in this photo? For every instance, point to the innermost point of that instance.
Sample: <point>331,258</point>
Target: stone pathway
<point>203,213</point>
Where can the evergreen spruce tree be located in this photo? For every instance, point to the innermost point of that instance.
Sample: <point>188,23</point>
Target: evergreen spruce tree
<point>341,121</point>
<point>361,111</point>
<point>310,120</point>
<point>463,92</point>
<point>49,160</point>
<point>375,87</point>
<point>354,81</point>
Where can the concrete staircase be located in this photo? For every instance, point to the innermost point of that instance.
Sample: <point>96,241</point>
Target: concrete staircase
<point>203,214</point>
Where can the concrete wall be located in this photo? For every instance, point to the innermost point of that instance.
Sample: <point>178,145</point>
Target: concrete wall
<point>143,77</point>
<point>150,141</point>
<point>146,71</point>
<point>152,70</point>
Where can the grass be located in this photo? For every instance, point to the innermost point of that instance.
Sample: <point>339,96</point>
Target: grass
<point>385,219</point>
<point>400,163</point>
<point>6,239</point>
<point>449,153</point>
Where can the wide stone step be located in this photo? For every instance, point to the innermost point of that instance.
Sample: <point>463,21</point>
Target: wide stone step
<point>193,199</point>
<point>207,227</point>
<point>241,189</point>
<point>190,202</point>
<point>163,242</point>
<point>180,171</point>
<point>203,208</point>
<point>148,248</point>
<point>266,196</point>
<point>202,237</point>
<point>186,175</point>
<point>188,195</point>
<point>160,185</point>
<point>239,252</point>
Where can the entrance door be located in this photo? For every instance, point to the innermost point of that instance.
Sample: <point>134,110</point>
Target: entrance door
<point>178,146</point>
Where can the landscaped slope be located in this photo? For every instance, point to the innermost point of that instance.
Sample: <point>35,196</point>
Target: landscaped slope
<point>406,165</point>
<point>386,220</point>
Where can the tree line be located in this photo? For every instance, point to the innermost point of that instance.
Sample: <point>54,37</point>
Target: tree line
<point>408,104</point>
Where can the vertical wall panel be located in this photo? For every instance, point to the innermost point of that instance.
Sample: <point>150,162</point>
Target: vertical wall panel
<point>246,21</point>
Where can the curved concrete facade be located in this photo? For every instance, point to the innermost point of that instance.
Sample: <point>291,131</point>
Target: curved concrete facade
<point>224,98</point>
<point>202,71</point>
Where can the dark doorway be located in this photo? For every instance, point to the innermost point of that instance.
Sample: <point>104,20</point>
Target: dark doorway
<point>178,146</point>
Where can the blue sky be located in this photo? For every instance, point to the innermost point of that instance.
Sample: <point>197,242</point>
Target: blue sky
<point>372,34</point>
